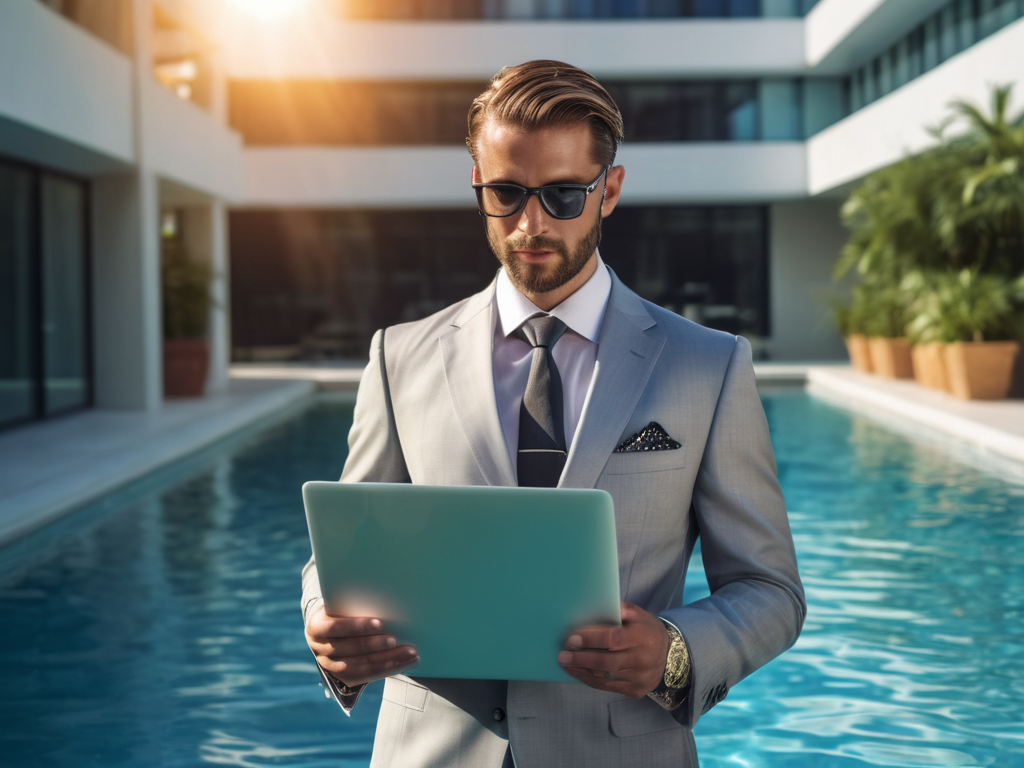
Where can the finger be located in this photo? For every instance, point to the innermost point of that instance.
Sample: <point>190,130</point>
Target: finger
<point>372,667</point>
<point>600,638</point>
<point>607,661</point>
<point>340,648</point>
<point>332,626</point>
<point>601,683</point>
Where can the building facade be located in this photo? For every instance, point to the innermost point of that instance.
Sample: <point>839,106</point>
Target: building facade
<point>316,160</point>
<point>747,122</point>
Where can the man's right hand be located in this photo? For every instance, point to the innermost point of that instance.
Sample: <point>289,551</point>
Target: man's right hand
<point>355,651</point>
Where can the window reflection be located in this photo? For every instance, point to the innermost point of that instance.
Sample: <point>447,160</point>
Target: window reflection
<point>44,325</point>
<point>17,297</point>
<point>569,9</point>
<point>65,365</point>
<point>953,28</point>
<point>310,285</point>
<point>352,113</point>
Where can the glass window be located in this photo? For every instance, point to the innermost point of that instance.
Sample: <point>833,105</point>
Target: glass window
<point>968,32</point>
<point>931,44</point>
<point>708,8</point>
<point>359,270</point>
<point>949,29</point>
<point>915,53</point>
<point>18,304</point>
<point>885,73</point>
<point>744,8</point>
<point>65,320</point>
<point>781,117</point>
<point>742,111</point>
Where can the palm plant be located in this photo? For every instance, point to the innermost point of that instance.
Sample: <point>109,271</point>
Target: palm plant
<point>941,234</point>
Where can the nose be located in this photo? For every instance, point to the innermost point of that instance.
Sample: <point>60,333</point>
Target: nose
<point>533,219</point>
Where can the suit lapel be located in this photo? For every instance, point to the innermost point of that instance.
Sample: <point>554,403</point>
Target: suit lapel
<point>628,348</point>
<point>466,351</point>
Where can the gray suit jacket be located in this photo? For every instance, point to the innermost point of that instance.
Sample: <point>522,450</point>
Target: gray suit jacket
<point>426,413</point>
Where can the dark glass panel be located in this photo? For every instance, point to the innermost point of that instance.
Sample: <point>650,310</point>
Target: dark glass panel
<point>708,8</point>
<point>744,8</point>
<point>709,264</point>
<point>17,297</point>
<point>317,284</point>
<point>65,322</point>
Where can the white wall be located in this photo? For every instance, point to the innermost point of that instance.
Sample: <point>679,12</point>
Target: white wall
<point>62,85</point>
<point>896,124</point>
<point>805,238</point>
<point>841,34</point>
<point>188,145</point>
<point>329,47</point>
<point>439,176</point>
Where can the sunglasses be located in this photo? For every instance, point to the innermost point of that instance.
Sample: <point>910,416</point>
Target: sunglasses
<point>560,201</point>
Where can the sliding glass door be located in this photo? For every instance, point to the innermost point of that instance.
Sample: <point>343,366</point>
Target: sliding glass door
<point>44,315</point>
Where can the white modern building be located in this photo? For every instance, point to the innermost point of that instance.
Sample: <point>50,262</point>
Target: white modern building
<point>315,159</point>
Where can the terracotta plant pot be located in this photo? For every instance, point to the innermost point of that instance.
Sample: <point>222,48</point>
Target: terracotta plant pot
<point>890,358</point>
<point>860,357</point>
<point>930,365</point>
<point>980,370</point>
<point>186,363</point>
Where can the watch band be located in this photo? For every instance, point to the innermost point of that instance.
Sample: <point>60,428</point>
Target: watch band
<point>675,683</point>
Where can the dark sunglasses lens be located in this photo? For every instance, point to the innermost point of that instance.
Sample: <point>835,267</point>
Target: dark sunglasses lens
<point>499,200</point>
<point>564,202</point>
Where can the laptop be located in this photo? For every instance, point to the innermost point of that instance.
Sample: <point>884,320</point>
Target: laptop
<point>486,582</point>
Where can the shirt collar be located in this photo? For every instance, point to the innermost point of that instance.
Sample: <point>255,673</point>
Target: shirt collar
<point>582,311</point>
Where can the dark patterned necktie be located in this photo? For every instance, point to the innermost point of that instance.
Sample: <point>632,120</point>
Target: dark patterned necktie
<point>542,450</point>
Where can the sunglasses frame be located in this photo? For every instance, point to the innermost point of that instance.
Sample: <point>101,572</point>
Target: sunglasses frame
<point>587,188</point>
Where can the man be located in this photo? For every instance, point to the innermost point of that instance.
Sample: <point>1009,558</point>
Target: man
<point>558,373</point>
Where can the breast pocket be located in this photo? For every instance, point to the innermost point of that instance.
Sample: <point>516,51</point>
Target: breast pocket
<point>646,461</point>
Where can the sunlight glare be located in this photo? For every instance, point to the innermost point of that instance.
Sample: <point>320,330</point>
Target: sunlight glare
<point>270,10</point>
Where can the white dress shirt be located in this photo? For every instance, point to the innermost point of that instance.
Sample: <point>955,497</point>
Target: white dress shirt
<point>575,353</point>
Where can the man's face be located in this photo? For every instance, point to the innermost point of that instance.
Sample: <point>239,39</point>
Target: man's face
<point>546,258</point>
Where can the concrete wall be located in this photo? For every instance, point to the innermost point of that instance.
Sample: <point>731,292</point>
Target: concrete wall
<point>896,125</point>
<point>804,241</point>
<point>63,85</point>
<point>326,46</point>
<point>187,144</point>
<point>439,176</point>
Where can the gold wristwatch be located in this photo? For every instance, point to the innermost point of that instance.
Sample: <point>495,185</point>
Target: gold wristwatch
<point>675,683</point>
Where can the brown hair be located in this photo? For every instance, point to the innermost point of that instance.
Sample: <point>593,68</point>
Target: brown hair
<point>542,94</point>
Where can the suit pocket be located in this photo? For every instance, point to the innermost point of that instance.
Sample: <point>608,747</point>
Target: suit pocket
<point>645,461</point>
<point>636,717</point>
<point>405,693</point>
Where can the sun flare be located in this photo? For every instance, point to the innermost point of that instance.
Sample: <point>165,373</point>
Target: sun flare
<point>270,10</point>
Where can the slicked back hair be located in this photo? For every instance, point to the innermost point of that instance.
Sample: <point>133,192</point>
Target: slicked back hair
<point>544,94</point>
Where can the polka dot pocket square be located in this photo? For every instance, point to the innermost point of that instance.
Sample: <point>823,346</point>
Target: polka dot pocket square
<point>653,437</point>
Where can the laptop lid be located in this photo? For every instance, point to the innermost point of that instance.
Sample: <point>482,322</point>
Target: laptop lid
<point>486,582</point>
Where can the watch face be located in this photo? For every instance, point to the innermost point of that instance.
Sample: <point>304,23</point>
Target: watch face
<point>677,667</point>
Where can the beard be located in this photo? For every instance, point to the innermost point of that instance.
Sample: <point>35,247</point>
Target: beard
<point>541,278</point>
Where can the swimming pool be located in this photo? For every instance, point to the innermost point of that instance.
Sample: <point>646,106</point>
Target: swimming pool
<point>161,625</point>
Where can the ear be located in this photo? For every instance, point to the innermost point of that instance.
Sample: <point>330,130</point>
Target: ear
<point>472,175</point>
<point>612,189</point>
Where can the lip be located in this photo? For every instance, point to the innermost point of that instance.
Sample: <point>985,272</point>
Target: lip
<point>534,255</point>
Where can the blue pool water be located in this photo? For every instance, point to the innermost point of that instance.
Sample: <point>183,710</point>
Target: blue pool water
<point>160,627</point>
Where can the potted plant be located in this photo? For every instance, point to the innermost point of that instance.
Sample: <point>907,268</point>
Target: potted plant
<point>186,313</point>
<point>947,226</point>
<point>925,331</point>
<point>886,331</point>
<point>852,321</point>
<point>977,318</point>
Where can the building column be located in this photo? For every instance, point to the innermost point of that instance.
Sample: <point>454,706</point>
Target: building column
<point>205,232</point>
<point>128,338</point>
<point>805,240</point>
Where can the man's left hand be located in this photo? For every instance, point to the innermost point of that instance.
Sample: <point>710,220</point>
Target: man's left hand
<point>629,659</point>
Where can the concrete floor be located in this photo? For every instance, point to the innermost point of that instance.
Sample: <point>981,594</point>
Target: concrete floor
<point>48,469</point>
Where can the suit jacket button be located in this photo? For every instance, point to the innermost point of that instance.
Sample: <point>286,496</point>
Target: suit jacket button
<point>499,714</point>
